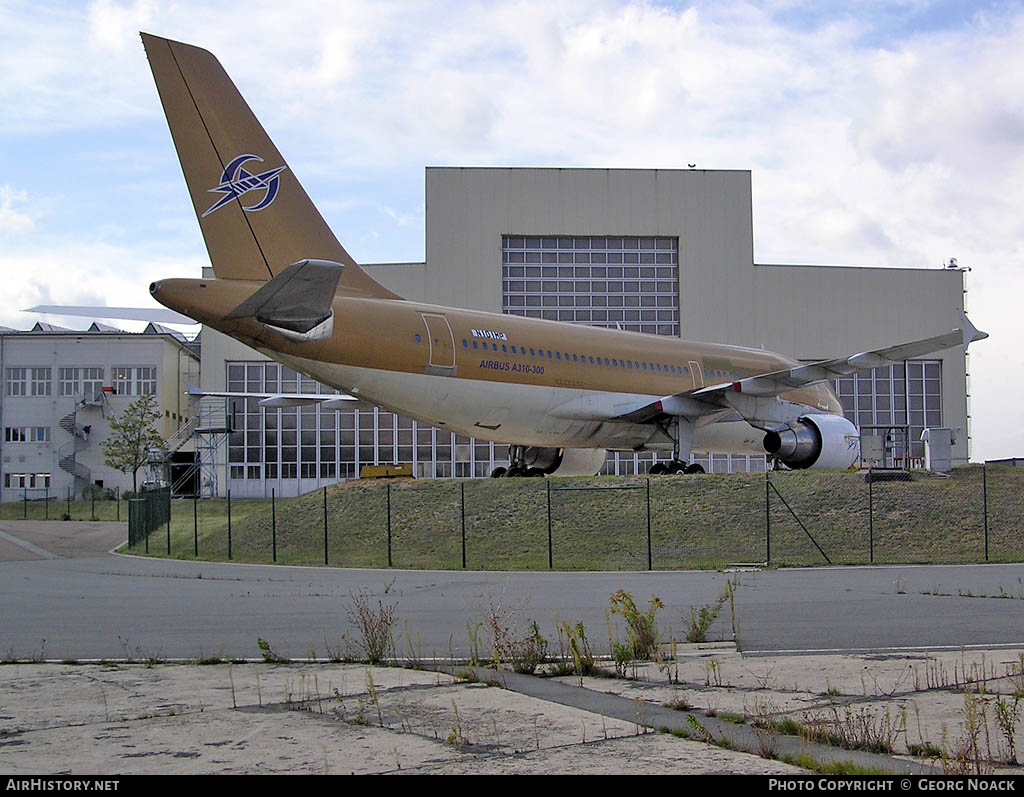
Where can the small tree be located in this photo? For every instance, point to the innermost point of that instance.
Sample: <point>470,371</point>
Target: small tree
<point>131,436</point>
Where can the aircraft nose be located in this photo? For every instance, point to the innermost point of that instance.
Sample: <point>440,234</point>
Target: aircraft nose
<point>154,288</point>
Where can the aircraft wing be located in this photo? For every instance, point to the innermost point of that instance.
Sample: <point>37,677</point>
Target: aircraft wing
<point>706,400</point>
<point>772,384</point>
<point>330,401</point>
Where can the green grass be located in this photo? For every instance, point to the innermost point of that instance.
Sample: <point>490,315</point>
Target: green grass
<point>696,522</point>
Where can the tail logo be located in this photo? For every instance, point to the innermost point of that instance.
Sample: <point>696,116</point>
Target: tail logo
<point>236,181</point>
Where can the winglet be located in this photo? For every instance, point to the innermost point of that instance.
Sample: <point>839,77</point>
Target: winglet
<point>971,332</point>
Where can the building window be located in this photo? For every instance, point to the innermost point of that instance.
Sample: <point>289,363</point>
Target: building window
<point>86,382</point>
<point>27,434</point>
<point>122,381</point>
<point>16,381</point>
<point>41,381</point>
<point>134,381</point>
<point>92,382</point>
<point>68,381</point>
<point>33,481</point>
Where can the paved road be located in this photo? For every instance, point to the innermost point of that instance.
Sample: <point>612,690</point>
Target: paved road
<point>63,598</point>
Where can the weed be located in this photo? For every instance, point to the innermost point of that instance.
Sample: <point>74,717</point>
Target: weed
<point>670,666</point>
<point>702,733</point>
<point>376,641</point>
<point>966,756</point>
<point>1007,715</point>
<point>701,621</point>
<point>641,629</point>
<point>456,737</point>
<point>678,703</point>
<point>372,689</point>
<point>270,656</point>
<point>524,653</point>
<point>836,768</point>
<point>583,661</point>
<point>415,658</point>
<point>856,729</point>
<point>712,672</point>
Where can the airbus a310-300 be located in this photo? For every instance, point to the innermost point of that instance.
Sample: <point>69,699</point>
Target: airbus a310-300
<point>559,394</point>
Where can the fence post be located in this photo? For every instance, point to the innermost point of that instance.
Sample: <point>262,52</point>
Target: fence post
<point>325,525</point>
<point>169,513</point>
<point>767,517</point>
<point>94,505</point>
<point>550,556</point>
<point>229,525</point>
<point>117,500</point>
<point>388,493</point>
<point>147,533</point>
<point>984,497</point>
<point>871,517</point>
<point>195,525</point>
<point>46,504</point>
<point>273,524</point>
<point>26,502</point>
<point>462,508</point>
<point>649,561</point>
<point>70,489</point>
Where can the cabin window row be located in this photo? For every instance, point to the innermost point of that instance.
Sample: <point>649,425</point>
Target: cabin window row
<point>585,359</point>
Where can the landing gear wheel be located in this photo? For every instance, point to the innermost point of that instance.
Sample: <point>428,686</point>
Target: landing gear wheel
<point>497,473</point>
<point>535,472</point>
<point>696,467</point>
<point>675,467</point>
<point>658,469</point>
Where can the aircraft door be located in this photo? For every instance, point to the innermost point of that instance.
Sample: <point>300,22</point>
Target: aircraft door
<point>696,374</point>
<point>441,361</point>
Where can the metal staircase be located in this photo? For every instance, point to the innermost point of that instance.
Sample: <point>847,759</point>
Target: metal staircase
<point>207,429</point>
<point>67,454</point>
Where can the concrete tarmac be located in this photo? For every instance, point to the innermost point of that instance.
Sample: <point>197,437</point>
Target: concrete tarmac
<point>816,643</point>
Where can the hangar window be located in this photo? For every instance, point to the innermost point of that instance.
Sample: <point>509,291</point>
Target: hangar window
<point>593,287</point>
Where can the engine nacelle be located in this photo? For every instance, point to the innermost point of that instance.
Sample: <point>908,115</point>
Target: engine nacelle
<point>565,461</point>
<point>825,442</point>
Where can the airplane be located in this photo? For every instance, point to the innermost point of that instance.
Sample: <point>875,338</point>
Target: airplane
<point>559,394</point>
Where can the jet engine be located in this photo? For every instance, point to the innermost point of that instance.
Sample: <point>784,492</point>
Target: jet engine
<point>564,461</point>
<point>825,442</point>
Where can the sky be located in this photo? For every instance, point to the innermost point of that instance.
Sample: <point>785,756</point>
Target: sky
<point>877,133</point>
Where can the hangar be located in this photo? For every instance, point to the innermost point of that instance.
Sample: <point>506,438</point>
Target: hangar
<point>662,251</point>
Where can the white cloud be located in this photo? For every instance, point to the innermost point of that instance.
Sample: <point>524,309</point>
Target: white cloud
<point>13,222</point>
<point>82,274</point>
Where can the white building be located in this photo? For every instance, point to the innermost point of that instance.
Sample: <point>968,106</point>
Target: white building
<point>62,387</point>
<point>660,251</point>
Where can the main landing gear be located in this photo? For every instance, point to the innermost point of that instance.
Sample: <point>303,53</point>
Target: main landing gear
<point>524,461</point>
<point>675,466</point>
<point>682,444</point>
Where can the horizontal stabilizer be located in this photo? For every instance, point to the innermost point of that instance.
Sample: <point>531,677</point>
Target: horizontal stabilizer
<point>158,314</point>
<point>329,401</point>
<point>298,299</point>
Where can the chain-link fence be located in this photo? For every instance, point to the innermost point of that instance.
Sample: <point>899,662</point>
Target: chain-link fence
<point>42,503</point>
<point>611,523</point>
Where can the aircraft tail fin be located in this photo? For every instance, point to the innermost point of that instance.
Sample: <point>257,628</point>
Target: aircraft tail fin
<point>255,217</point>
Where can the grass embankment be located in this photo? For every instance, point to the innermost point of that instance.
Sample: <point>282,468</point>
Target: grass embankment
<point>704,521</point>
